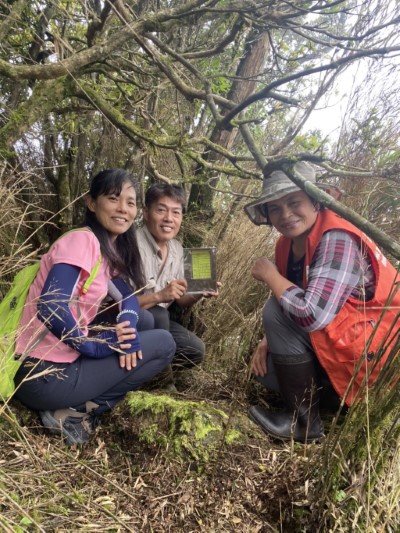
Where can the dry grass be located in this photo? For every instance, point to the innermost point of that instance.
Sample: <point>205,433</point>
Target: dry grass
<point>119,484</point>
<point>19,221</point>
<point>231,324</point>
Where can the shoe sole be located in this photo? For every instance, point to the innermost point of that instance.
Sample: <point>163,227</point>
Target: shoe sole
<point>49,423</point>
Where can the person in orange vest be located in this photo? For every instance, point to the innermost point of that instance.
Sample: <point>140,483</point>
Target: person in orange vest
<point>331,288</point>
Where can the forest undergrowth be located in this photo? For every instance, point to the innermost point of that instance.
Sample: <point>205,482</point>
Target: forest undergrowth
<point>119,482</point>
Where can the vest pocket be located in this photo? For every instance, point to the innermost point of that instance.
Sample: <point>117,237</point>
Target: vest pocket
<point>350,333</point>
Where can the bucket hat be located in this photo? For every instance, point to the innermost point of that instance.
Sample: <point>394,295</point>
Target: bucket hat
<point>277,185</point>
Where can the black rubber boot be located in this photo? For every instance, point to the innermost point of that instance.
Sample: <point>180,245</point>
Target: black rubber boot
<point>298,384</point>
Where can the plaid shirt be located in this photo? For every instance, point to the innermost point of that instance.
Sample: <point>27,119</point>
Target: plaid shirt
<point>338,270</point>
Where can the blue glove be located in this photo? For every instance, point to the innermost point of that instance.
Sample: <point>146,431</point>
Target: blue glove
<point>129,308</point>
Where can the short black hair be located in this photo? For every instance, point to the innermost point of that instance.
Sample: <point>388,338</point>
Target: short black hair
<point>159,190</point>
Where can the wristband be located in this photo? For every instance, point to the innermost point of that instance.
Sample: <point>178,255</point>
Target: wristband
<point>130,311</point>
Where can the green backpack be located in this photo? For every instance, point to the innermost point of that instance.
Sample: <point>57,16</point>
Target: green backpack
<point>10,315</point>
<point>11,309</point>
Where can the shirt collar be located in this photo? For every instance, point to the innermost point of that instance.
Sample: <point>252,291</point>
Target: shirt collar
<point>154,246</point>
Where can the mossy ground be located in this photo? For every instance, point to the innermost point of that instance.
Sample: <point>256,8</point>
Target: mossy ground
<point>132,479</point>
<point>129,478</point>
<point>184,428</point>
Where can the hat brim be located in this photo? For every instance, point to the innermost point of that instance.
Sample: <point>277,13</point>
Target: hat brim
<point>255,214</point>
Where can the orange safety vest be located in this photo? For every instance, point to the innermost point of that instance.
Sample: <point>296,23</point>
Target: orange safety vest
<point>351,345</point>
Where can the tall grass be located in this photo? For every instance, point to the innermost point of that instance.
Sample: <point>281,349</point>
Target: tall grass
<point>360,460</point>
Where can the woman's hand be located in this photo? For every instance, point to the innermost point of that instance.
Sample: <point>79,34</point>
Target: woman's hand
<point>125,333</point>
<point>262,269</point>
<point>258,364</point>
<point>129,361</point>
<point>265,270</point>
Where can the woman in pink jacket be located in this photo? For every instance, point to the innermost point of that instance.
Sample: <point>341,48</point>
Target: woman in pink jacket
<point>71,372</point>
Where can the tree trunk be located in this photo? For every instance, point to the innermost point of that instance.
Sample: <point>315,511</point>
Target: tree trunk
<point>254,57</point>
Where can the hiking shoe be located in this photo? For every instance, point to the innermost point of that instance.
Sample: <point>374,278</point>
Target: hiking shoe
<point>75,426</point>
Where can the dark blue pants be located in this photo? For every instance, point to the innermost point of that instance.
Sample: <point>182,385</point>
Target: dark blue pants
<point>190,349</point>
<point>101,381</point>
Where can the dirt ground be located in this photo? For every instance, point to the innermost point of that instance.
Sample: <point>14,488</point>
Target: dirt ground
<point>117,483</point>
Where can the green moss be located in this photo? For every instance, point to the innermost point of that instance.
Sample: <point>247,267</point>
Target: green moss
<point>232,436</point>
<point>188,428</point>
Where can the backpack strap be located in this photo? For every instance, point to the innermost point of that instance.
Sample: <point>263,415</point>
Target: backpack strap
<point>40,336</point>
<point>92,276</point>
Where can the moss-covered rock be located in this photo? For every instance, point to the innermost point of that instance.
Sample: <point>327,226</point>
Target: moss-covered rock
<point>182,427</point>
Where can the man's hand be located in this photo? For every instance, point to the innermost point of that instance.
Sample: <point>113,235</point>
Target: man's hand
<point>212,294</point>
<point>258,364</point>
<point>190,299</point>
<point>173,291</point>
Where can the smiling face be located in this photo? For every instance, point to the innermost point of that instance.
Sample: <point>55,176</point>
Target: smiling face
<point>163,219</point>
<point>293,215</point>
<point>115,212</point>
